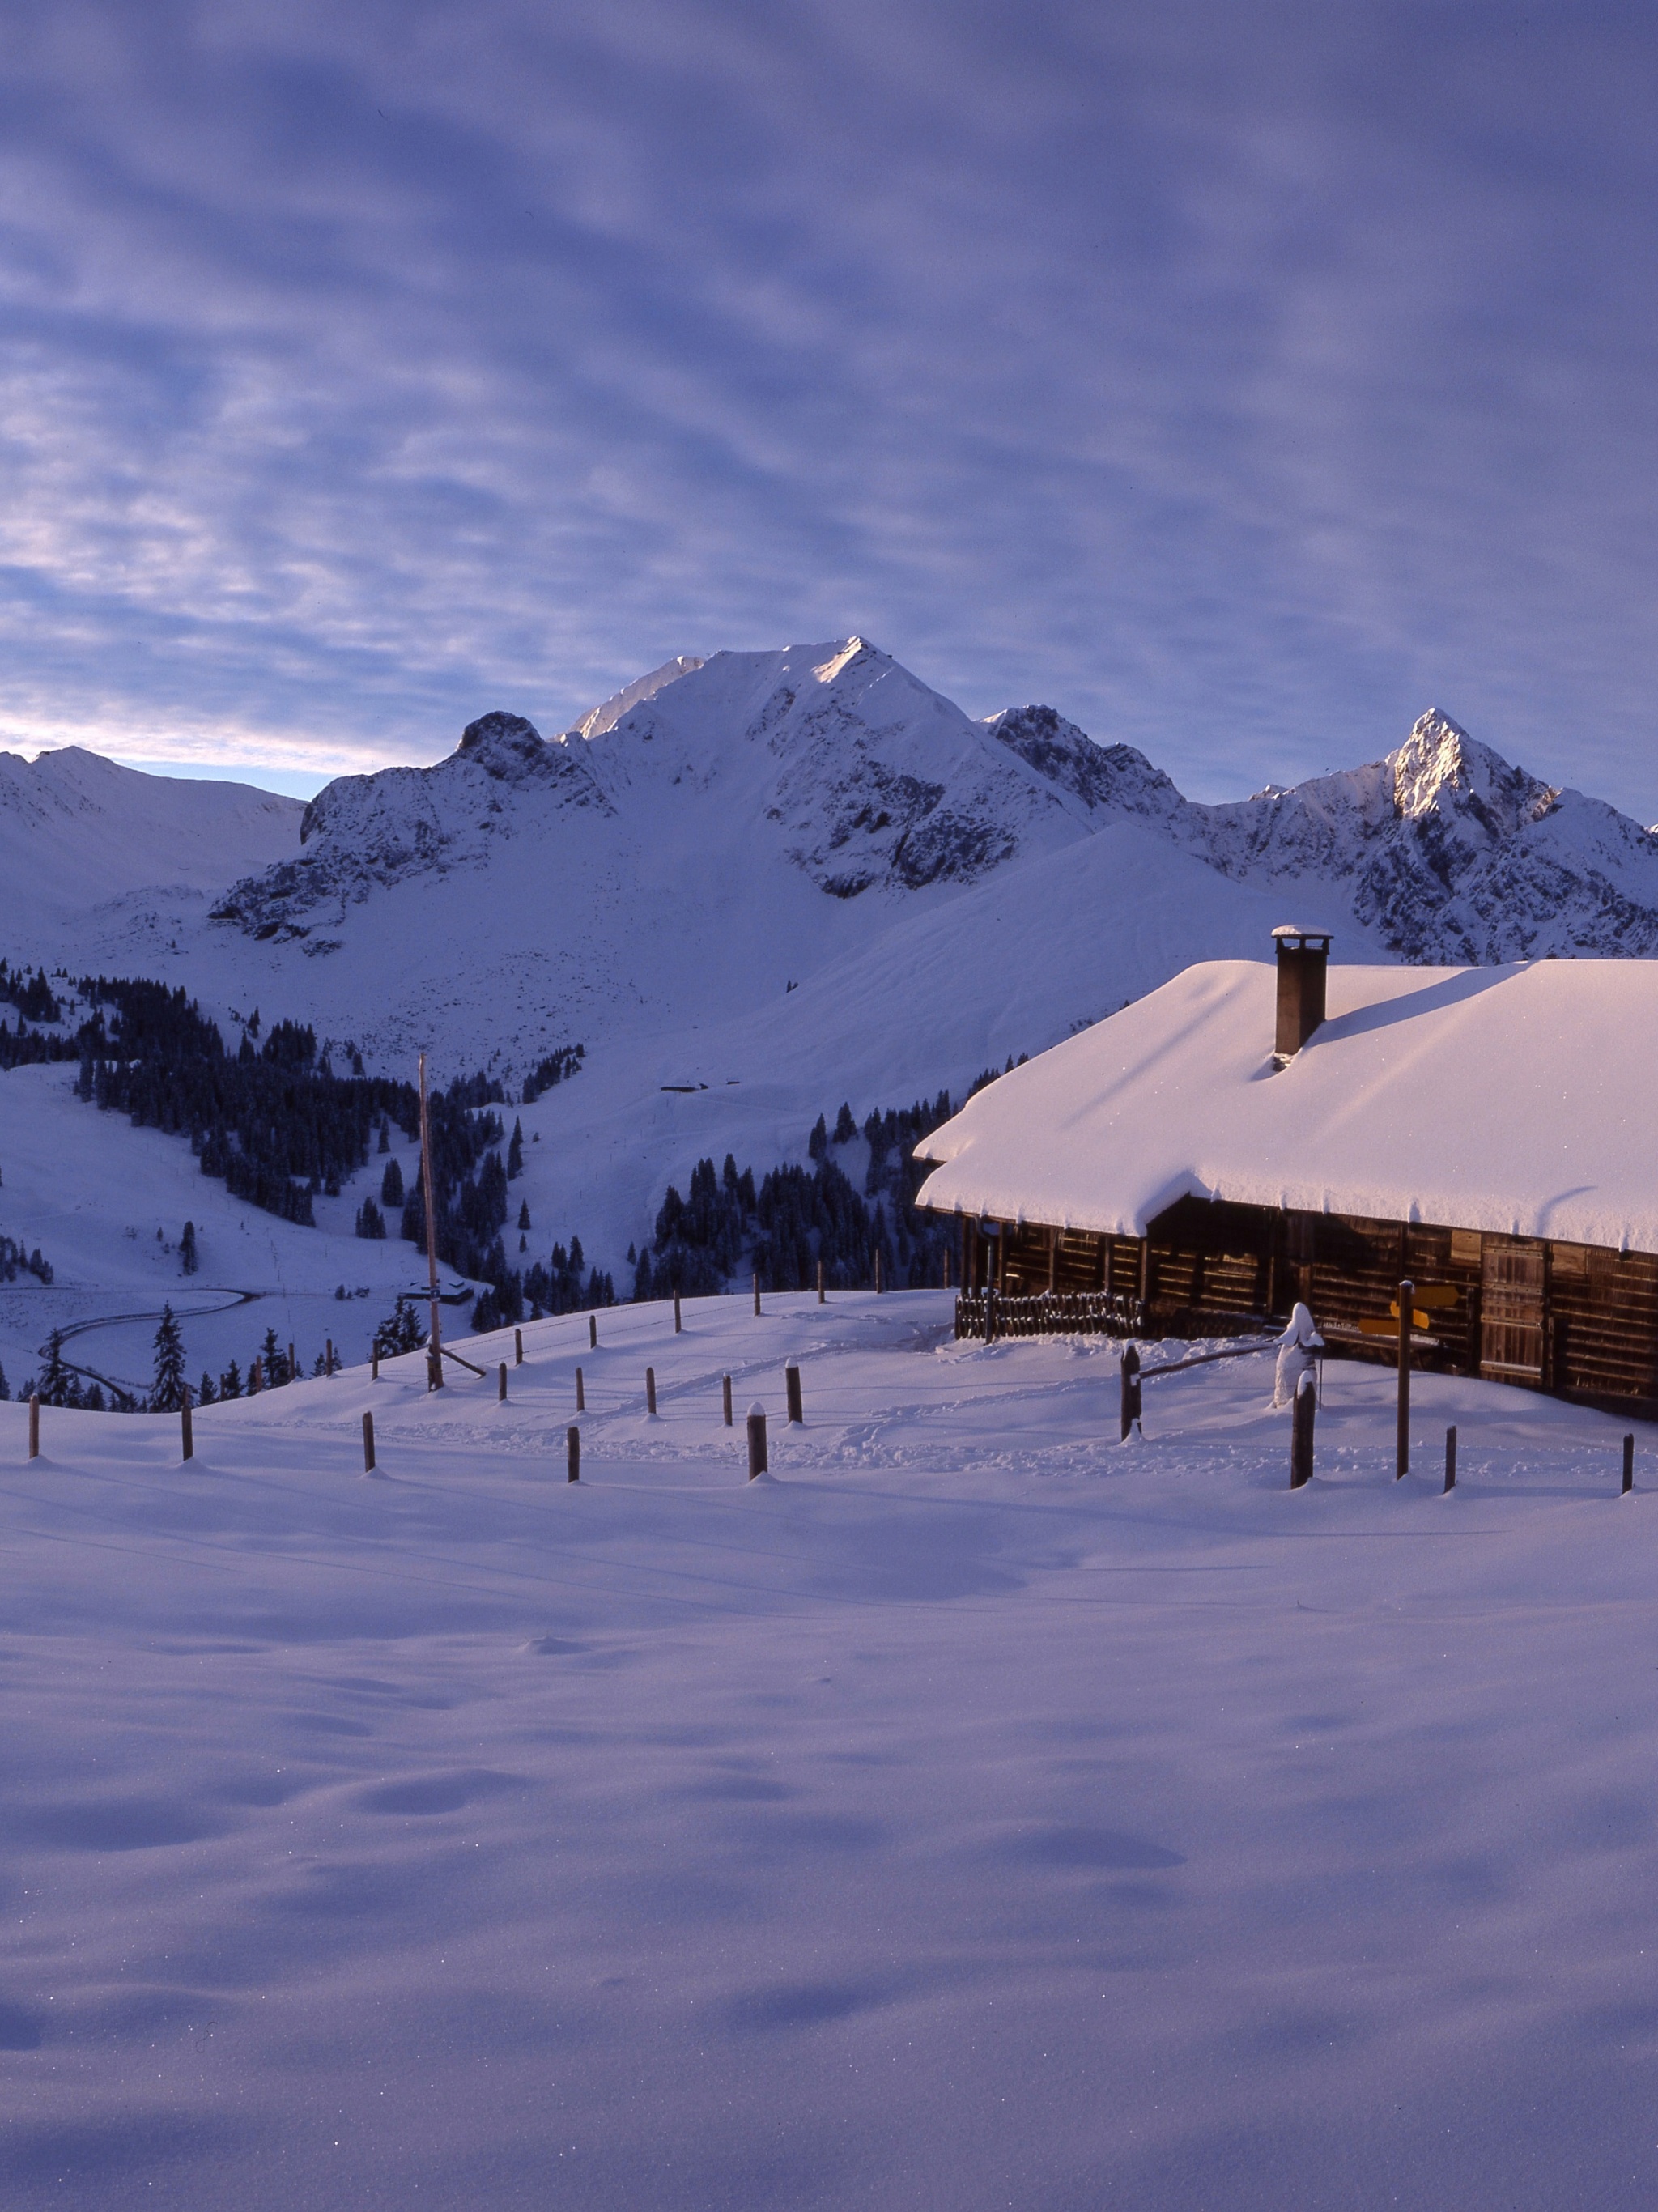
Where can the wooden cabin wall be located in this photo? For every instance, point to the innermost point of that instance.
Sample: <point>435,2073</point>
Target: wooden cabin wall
<point>1601,1329</point>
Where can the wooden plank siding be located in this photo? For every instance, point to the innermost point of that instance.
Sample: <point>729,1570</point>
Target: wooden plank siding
<point>1587,1331</point>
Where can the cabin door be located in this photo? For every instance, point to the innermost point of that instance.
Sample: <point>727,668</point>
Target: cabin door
<point>1511,1310</point>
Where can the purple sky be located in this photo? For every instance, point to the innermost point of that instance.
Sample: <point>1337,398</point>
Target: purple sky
<point>1239,379</point>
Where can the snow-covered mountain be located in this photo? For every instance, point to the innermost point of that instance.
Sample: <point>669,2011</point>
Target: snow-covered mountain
<point>757,885</point>
<point>76,829</point>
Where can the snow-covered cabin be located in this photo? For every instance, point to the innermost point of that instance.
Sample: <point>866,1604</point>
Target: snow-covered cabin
<point>1242,1138</point>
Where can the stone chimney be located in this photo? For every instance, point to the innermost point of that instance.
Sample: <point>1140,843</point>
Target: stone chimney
<point>1303,961</point>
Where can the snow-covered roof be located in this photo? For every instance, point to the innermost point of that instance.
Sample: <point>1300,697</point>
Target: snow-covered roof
<point>1519,1099</point>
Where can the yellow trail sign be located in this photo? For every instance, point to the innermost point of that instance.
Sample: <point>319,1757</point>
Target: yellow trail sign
<point>1433,1294</point>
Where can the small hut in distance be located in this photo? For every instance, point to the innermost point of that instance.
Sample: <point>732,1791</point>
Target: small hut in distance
<point>1251,1134</point>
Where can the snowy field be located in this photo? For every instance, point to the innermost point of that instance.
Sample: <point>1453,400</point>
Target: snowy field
<point>976,1814</point>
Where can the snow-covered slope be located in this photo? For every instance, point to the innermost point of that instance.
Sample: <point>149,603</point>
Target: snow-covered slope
<point>76,829</point>
<point>793,877</point>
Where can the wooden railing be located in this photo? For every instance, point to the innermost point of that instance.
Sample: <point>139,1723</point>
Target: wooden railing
<point>983,1315</point>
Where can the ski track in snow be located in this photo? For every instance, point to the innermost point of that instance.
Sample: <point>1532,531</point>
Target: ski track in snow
<point>977,1812</point>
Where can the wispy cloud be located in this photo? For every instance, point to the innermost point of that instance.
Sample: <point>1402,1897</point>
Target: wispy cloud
<point>1239,380</point>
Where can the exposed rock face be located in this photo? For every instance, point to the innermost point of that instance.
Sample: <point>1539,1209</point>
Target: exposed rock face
<point>870,783</point>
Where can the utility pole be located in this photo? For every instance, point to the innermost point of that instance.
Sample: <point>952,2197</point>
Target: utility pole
<point>435,1348</point>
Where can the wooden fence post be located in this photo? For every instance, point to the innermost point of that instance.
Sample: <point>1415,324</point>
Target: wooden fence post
<point>676,1314</point>
<point>375,1366</point>
<point>877,1271</point>
<point>518,1347</point>
<point>328,1355</point>
<point>293,1364</point>
<point>1628,1465</point>
<point>756,1291</point>
<point>650,1392</point>
<point>186,1432</point>
<point>757,1441</point>
<point>501,1391</point>
<point>34,1428</point>
<point>1301,1432</point>
<point>1402,1446</point>
<point>1450,1460</point>
<point>593,1332</point>
<point>573,1454</point>
<point>821,1299</point>
<point>1131,1390</point>
<point>725,1397</point>
<point>580,1395</point>
<point>368,1443</point>
<point>791,1385</point>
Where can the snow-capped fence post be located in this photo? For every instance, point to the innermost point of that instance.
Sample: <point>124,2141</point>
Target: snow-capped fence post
<point>1450,1460</point>
<point>821,1299</point>
<point>756,1292</point>
<point>187,1435</point>
<point>650,1392</point>
<point>1402,1450</point>
<point>593,1332</point>
<point>791,1385</point>
<point>677,1322</point>
<point>581,1393</point>
<point>725,1397</point>
<point>500,1391</point>
<point>368,1443</point>
<point>1628,1465</point>
<point>1131,1390</point>
<point>518,1347</point>
<point>757,1441</point>
<point>1300,1431</point>
<point>573,1454</point>
<point>34,1428</point>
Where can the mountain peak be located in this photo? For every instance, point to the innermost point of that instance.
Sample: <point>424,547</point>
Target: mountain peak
<point>1441,769</point>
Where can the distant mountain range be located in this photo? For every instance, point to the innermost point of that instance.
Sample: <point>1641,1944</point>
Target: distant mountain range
<point>774,880</point>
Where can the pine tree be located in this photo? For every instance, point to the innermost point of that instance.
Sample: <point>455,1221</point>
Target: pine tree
<point>273,1361</point>
<point>189,1258</point>
<point>818,1143</point>
<point>167,1394</point>
<point>58,1384</point>
<point>524,1214</point>
<point>370,1220</point>
<point>391,1185</point>
<point>230,1382</point>
<point>386,1134</point>
<point>205,1391</point>
<point>845,1128</point>
<point>515,1153</point>
<point>5,1388</point>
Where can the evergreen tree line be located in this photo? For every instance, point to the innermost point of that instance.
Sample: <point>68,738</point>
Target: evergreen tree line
<point>15,1262</point>
<point>798,1216</point>
<point>31,994</point>
<point>557,1067</point>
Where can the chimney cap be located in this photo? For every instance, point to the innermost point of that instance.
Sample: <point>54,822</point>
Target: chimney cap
<point>1295,929</point>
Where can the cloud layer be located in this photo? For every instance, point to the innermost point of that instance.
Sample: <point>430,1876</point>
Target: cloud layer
<point>1242,381</point>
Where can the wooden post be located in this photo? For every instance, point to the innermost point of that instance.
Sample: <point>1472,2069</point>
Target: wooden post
<point>1301,1433</point>
<point>1402,1450</point>
<point>435,1360</point>
<point>1053,1260</point>
<point>501,1392</point>
<point>580,1395</point>
<point>328,1355</point>
<point>791,1385</point>
<point>1628,1465</point>
<point>821,1299</point>
<point>650,1392</point>
<point>34,1428</point>
<point>186,1431</point>
<point>375,1366</point>
<point>573,1454</point>
<point>725,1397</point>
<point>1450,1460</point>
<point>756,1292</point>
<point>518,1347</point>
<point>293,1364</point>
<point>1131,1390</point>
<point>990,1313</point>
<point>947,1266</point>
<point>675,1313</point>
<point>368,1443</point>
<point>757,1441</point>
<point>593,1332</point>
<point>878,1270</point>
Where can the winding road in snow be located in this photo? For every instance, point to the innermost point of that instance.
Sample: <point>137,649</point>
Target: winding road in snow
<point>226,1300</point>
